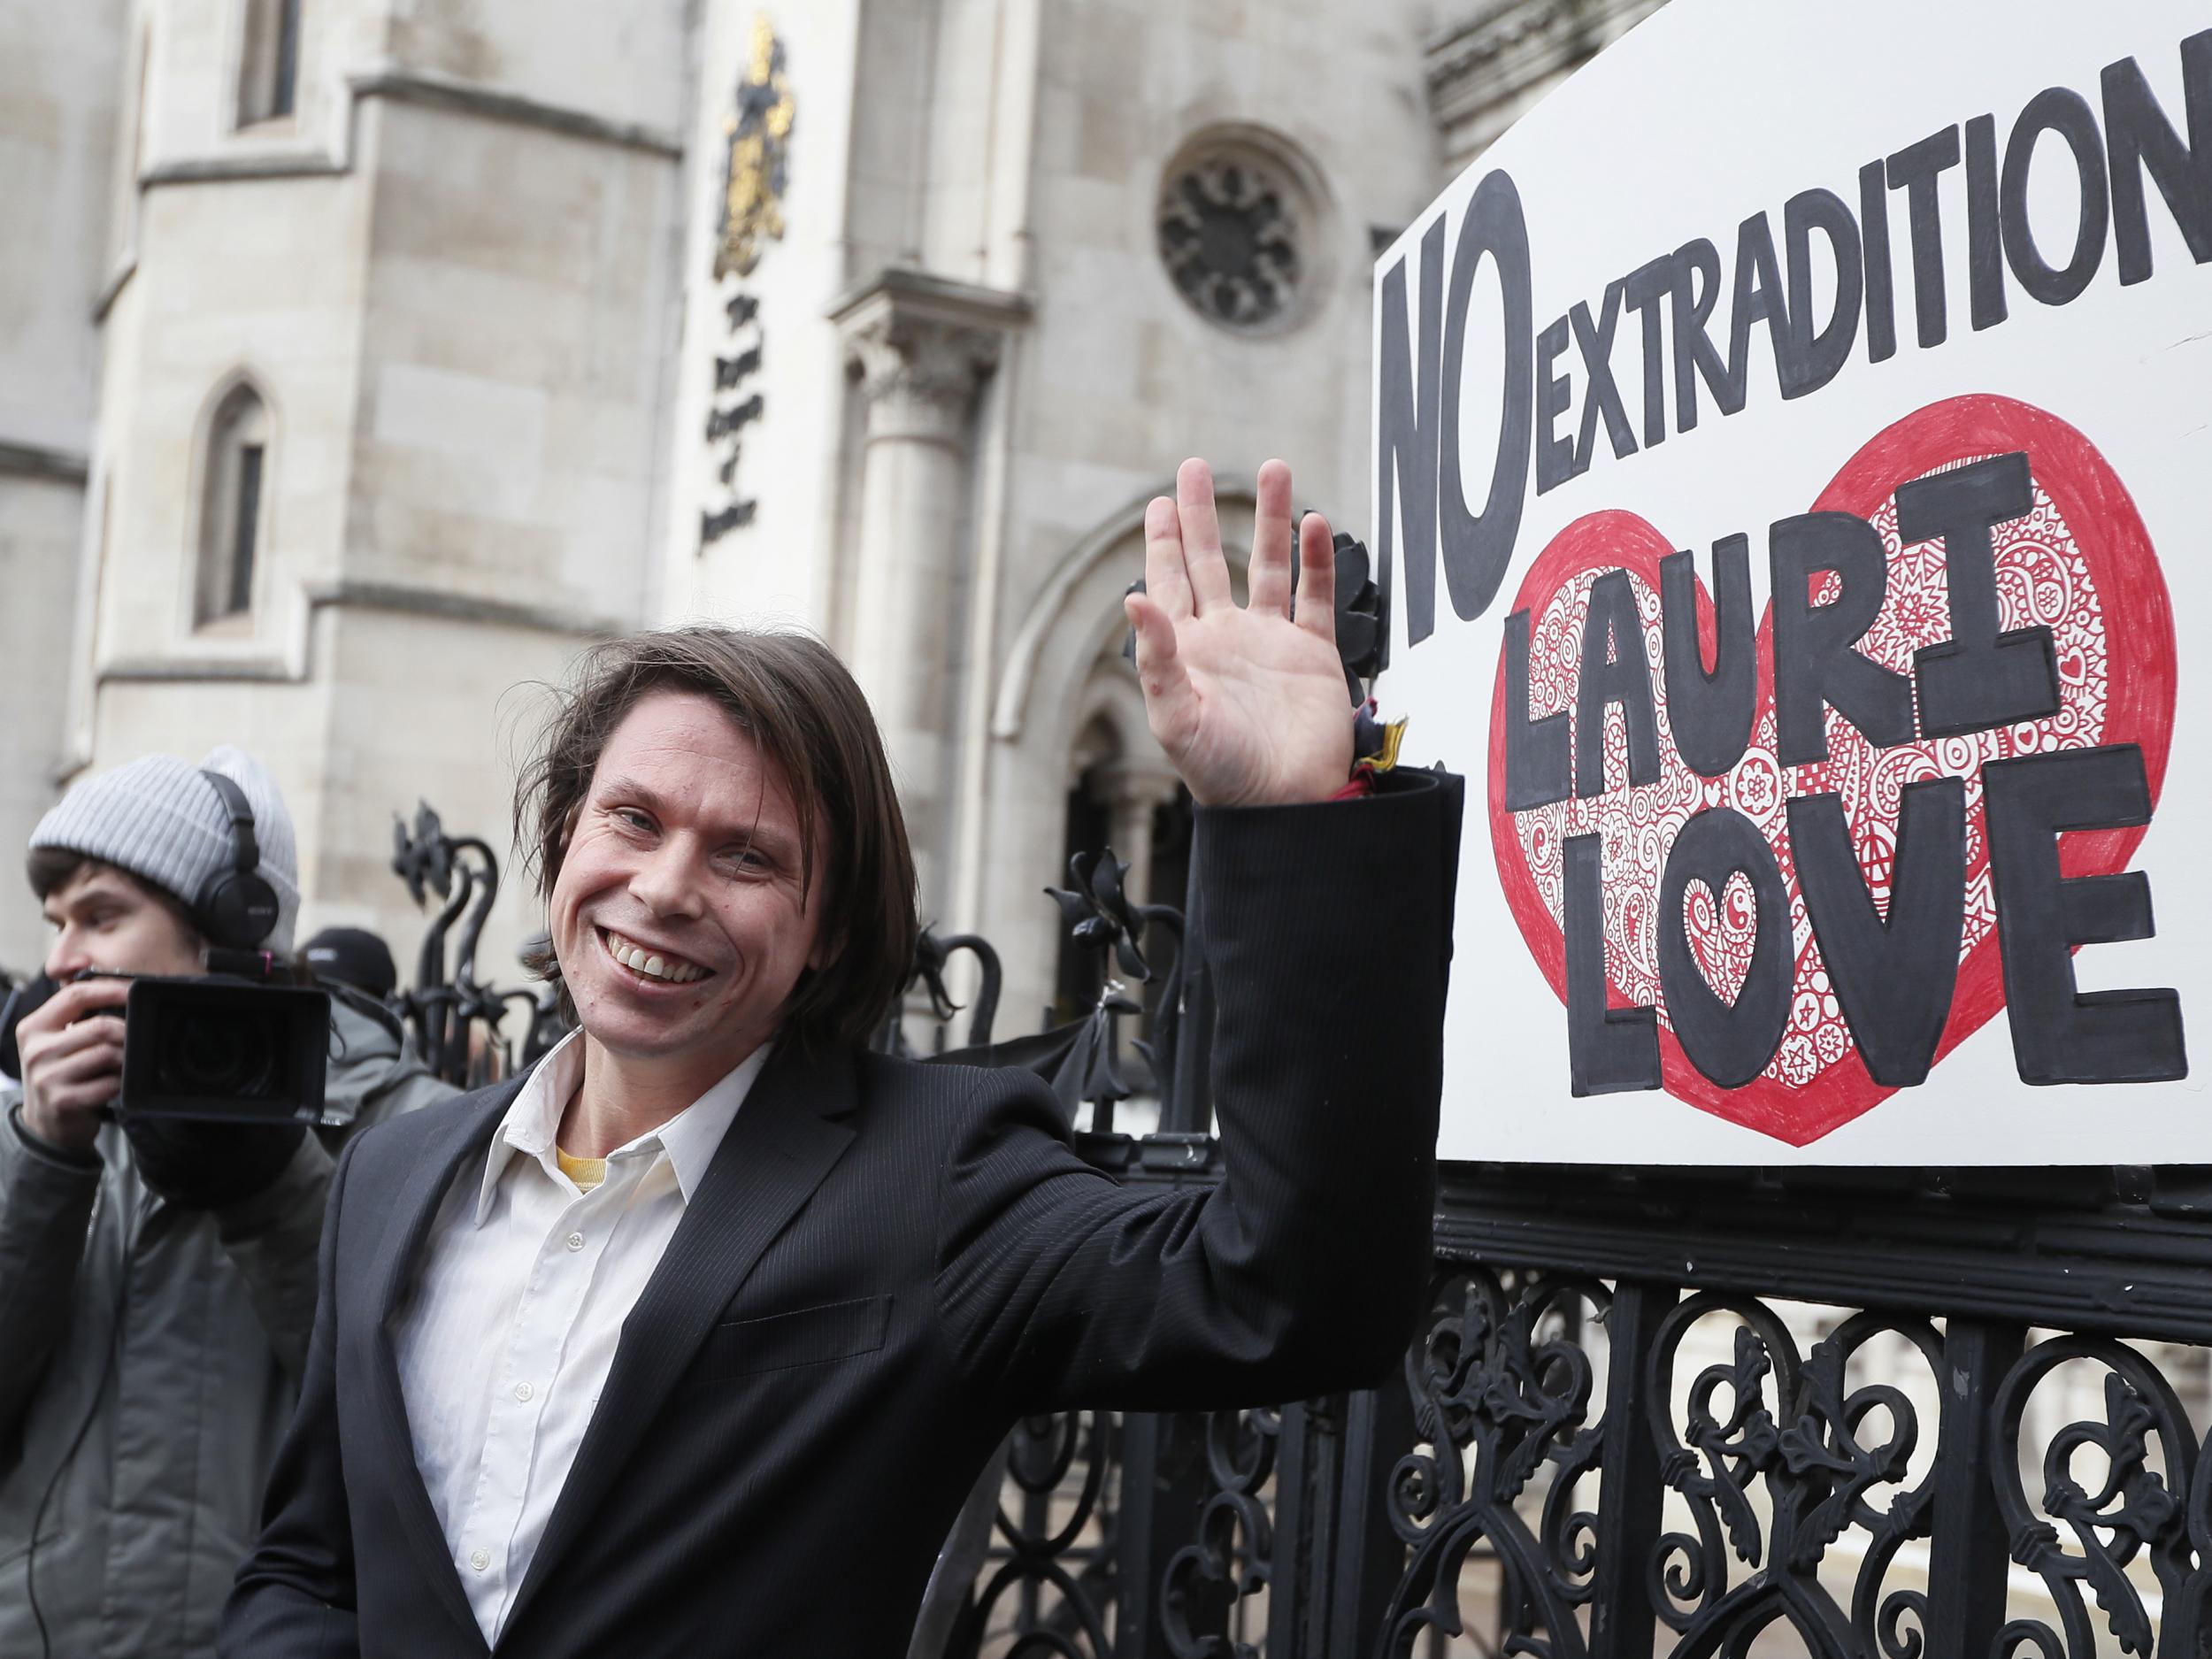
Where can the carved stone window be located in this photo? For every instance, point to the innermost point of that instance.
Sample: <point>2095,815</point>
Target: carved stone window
<point>268,64</point>
<point>1236,229</point>
<point>234,520</point>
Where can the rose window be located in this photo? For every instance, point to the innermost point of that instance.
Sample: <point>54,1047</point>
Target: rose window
<point>1230,230</point>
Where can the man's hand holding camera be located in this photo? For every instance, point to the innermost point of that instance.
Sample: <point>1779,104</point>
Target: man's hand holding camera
<point>71,1048</point>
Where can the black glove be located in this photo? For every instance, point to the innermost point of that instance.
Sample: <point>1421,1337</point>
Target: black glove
<point>202,1165</point>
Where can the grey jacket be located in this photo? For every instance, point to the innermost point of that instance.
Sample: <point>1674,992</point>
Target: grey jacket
<point>148,1361</point>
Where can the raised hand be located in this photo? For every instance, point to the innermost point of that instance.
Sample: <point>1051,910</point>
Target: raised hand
<point>1247,702</point>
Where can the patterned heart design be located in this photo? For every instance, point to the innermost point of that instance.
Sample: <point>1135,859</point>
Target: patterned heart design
<point>2080,562</point>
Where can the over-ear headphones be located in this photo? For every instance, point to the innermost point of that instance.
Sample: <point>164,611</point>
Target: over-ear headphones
<point>236,909</point>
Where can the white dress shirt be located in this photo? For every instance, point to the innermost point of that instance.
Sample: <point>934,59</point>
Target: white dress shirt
<point>525,1283</point>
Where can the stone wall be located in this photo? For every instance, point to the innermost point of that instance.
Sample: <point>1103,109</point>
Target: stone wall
<point>61,78</point>
<point>1120,377</point>
<point>448,274</point>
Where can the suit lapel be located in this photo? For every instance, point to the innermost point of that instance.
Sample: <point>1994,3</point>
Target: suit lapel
<point>459,1144</point>
<point>780,1145</point>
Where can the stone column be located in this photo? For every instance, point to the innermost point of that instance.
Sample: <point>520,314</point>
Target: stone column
<point>1135,791</point>
<point>923,348</point>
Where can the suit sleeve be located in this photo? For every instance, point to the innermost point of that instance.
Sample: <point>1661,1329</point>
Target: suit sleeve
<point>295,1593</point>
<point>1328,930</point>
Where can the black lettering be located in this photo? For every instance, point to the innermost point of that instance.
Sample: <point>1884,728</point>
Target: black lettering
<point>1609,1049</point>
<point>1648,285</point>
<point>1914,170</point>
<point>729,371</point>
<point>2139,139</point>
<point>1895,977</point>
<point>1536,751</point>
<point>1816,665</point>
<point>1757,297</point>
<point>1405,435</point>
<point>2055,110</point>
<point>714,525</point>
<point>1477,545</point>
<point>1595,341</point>
<point>1696,291</point>
<point>1615,669</point>
<point>1710,713</point>
<point>1555,455</point>
<point>1979,678</point>
<point>1881,305</point>
<point>1815,357</point>
<point>1984,247</point>
<point>1731,1043</point>
<point>2060,1035</point>
<point>734,417</point>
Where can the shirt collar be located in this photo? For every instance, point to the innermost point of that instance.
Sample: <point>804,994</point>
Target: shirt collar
<point>690,1138</point>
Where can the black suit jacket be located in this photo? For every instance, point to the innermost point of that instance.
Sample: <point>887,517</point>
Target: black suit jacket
<point>885,1266</point>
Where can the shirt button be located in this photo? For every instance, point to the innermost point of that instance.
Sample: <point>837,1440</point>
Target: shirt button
<point>481,1560</point>
<point>522,1391</point>
<point>575,1241</point>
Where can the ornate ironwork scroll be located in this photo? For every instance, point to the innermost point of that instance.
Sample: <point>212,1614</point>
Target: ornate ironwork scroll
<point>1794,1427</point>
<point>1047,1588</point>
<point>1220,1577</point>
<point>2128,1486</point>
<point>454,1017</point>
<point>1502,1393</point>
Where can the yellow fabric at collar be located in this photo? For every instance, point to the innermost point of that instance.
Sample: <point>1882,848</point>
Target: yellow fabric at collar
<point>586,1172</point>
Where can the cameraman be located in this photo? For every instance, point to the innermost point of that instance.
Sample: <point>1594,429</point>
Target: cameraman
<point>156,1281</point>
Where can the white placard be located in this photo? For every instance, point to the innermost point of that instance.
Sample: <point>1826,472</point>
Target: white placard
<point>1793,481</point>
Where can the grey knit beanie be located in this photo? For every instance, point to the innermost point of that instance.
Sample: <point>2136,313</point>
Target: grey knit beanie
<point>160,821</point>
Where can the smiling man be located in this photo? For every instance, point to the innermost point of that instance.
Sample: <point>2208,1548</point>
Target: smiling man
<point>602,1353</point>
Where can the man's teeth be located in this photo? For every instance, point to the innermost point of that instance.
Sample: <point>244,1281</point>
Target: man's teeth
<point>676,971</point>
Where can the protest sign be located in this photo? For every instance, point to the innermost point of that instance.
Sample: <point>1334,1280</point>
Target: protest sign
<point>1793,466</point>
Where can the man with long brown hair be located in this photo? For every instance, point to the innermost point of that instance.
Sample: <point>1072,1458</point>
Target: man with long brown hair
<point>605,1355</point>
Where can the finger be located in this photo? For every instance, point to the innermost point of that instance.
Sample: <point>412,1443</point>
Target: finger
<point>98,1060</point>
<point>36,1047</point>
<point>1164,575</point>
<point>1170,705</point>
<point>1202,563</point>
<point>81,1097</point>
<point>1317,578</point>
<point>74,1002</point>
<point>1267,581</point>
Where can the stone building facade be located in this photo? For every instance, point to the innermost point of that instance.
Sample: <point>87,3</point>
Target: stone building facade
<point>363,360</point>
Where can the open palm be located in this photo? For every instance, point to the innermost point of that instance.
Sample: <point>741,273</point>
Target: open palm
<point>1249,703</point>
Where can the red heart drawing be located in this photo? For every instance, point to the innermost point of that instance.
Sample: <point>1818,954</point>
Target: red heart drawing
<point>2081,562</point>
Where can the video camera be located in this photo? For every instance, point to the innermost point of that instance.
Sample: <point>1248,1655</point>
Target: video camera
<point>228,1046</point>
<point>236,1044</point>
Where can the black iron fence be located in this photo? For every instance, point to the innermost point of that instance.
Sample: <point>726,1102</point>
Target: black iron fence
<point>1624,1431</point>
<point>1856,1414</point>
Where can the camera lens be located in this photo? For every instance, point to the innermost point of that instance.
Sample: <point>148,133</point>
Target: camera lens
<point>233,1054</point>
